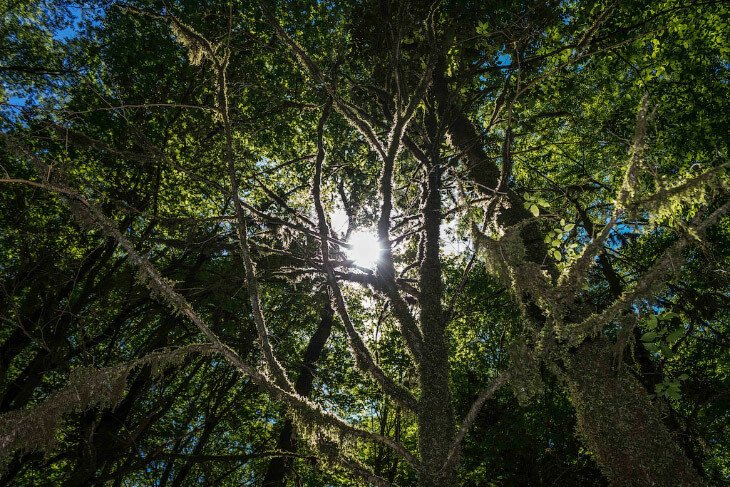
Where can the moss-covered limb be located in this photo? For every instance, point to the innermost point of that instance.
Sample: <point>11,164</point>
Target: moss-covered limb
<point>621,391</point>
<point>364,357</point>
<point>612,278</point>
<point>692,191</point>
<point>653,279</point>
<point>485,175</point>
<point>159,286</point>
<point>276,369</point>
<point>34,429</point>
<point>360,351</point>
<point>407,324</point>
<point>386,275</point>
<point>163,289</point>
<point>412,335</point>
<point>636,154</point>
<point>530,284</point>
<point>387,152</point>
<point>619,425</point>
<point>575,275</point>
<point>221,64</point>
<point>198,48</point>
<point>386,268</point>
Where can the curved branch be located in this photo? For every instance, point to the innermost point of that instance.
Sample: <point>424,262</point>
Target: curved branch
<point>363,356</point>
<point>469,419</point>
<point>90,215</point>
<point>656,276</point>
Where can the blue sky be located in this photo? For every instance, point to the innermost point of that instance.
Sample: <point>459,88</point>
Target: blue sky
<point>77,14</point>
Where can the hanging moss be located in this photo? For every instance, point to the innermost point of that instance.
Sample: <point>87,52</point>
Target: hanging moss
<point>673,201</point>
<point>35,429</point>
<point>191,40</point>
<point>525,377</point>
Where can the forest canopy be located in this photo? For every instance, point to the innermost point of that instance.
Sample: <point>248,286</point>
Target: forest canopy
<point>350,243</point>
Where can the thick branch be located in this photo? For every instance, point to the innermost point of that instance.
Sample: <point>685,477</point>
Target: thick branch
<point>363,356</point>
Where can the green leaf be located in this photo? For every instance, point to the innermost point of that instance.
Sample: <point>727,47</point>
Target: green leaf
<point>675,335</point>
<point>652,322</point>
<point>649,336</point>
<point>534,210</point>
<point>673,390</point>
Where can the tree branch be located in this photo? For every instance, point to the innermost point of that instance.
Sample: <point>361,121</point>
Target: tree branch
<point>363,356</point>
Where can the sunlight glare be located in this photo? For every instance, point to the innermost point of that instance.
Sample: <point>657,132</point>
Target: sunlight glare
<point>339,220</point>
<point>364,249</point>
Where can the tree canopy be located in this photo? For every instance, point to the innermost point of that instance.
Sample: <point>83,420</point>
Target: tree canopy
<point>380,243</point>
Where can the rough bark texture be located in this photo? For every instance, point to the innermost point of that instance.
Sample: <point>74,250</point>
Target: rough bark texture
<point>620,425</point>
<point>436,414</point>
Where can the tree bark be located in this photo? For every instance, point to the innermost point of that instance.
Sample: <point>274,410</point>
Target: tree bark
<point>619,423</point>
<point>436,424</point>
<point>279,467</point>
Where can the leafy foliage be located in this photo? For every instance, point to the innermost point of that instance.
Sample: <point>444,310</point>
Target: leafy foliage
<point>547,181</point>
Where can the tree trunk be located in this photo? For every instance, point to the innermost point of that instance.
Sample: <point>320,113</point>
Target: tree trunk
<point>619,424</point>
<point>279,466</point>
<point>436,414</point>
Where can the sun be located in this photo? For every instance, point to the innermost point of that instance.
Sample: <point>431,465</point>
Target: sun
<point>364,248</point>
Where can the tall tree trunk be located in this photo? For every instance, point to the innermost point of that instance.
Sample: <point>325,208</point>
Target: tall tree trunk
<point>279,466</point>
<point>435,414</point>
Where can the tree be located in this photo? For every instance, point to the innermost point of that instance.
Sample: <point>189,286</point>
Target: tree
<point>185,193</point>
